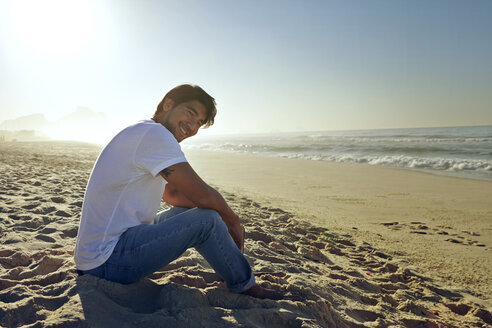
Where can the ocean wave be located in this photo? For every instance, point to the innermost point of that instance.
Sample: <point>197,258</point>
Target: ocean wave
<point>372,148</point>
<point>465,150</point>
<point>390,139</point>
<point>442,134</point>
<point>401,161</point>
<point>447,164</point>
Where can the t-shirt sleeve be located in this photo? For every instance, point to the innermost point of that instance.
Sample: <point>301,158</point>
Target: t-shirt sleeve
<point>157,150</point>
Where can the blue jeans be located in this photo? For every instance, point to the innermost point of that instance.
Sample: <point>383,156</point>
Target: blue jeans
<point>146,248</point>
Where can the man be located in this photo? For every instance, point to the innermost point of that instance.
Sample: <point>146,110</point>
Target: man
<point>121,238</point>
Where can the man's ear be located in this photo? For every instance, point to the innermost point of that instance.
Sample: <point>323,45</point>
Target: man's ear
<point>168,105</point>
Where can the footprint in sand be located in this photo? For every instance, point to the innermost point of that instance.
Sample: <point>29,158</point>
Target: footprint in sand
<point>368,300</point>
<point>332,249</point>
<point>45,210</point>
<point>15,294</point>
<point>262,254</point>
<point>18,217</point>
<point>363,315</point>
<point>415,323</point>
<point>338,276</point>
<point>455,241</point>
<point>27,268</point>
<point>390,300</point>
<point>365,285</point>
<point>62,214</point>
<point>444,292</point>
<point>13,239</point>
<point>475,234</point>
<point>45,238</point>
<point>389,267</point>
<point>389,224</point>
<point>313,253</point>
<point>31,206</point>
<point>258,235</point>
<point>11,259</point>
<point>47,231</point>
<point>27,313</point>
<point>318,244</point>
<point>345,242</point>
<point>70,231</point>
<point>76,204</point>
<point>58,200</point>
<point>28,224</point>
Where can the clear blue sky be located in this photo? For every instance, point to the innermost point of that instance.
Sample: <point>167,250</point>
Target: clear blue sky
<point>271,65</point>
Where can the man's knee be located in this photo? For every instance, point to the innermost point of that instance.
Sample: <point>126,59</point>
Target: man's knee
<point>212,217</point>
<point>209,214</point>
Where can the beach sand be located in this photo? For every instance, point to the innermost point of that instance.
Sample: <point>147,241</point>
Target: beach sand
<point>349,245</point>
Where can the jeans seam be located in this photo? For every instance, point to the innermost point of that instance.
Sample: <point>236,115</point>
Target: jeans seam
<point>124,252</point>
<point>224,255</point>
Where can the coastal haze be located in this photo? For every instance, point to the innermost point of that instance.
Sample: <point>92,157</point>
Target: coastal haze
<point>295,66</point>
<point>81,125</point>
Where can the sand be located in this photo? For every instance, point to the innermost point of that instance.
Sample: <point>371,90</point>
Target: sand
<point>440,224</point>
<point>350,246</point>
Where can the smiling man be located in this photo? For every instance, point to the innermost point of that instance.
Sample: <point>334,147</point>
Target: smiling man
<point>121,236</point>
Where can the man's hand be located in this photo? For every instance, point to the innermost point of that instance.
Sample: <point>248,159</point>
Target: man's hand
<point>237,234</point>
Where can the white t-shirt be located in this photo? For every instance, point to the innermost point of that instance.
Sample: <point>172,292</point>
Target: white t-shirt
<point>124,189</point>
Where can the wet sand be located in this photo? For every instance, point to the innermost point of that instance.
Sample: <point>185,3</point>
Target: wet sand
<point>348,247</point>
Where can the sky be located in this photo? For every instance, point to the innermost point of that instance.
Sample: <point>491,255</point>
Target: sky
<point>272,66</point>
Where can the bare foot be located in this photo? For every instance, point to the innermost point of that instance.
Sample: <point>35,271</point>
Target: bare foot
<point>260,292</point>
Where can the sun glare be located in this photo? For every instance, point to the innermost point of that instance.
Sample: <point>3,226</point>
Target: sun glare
<point>97,135</point>
<point>52,27</point>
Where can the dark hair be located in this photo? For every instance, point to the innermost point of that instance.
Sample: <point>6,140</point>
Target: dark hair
<point>188,92</point>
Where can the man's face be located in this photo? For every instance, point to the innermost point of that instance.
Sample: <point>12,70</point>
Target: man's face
<point>184,120</point>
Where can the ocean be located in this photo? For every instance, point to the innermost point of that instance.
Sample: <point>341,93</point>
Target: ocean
<point>457,151</point>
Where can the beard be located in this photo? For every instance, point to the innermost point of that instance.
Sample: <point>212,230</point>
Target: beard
<point>171,128</point>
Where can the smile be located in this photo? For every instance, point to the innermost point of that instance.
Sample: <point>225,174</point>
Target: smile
<point>183,130</point>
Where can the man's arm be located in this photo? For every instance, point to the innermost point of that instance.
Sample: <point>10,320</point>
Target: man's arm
<point>182,177</point>
<point>173,197</point>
